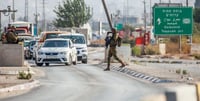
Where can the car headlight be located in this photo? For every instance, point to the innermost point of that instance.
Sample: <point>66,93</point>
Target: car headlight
<point>40,53</point>
<point>84,50</point>
<point>63,53</point>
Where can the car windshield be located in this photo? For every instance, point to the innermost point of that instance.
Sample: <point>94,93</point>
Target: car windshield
<point>26,43</point>
<point>20,31</point>
<point>51,35</point>
<point>32,43</point>
<point>56,43</point>
<point>75,38</point>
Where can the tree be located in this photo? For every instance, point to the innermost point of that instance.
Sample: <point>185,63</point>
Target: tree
<point>196,15</point>
<point>73,13</point>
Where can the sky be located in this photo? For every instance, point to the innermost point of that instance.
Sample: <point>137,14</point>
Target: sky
<point>127,7</point>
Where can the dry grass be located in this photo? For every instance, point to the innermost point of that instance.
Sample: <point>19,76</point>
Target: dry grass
<point>172,48</point>
<point>151,50</point>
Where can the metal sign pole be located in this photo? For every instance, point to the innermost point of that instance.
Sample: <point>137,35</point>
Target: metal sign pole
<point>107,14</point>
<point>180,37</point>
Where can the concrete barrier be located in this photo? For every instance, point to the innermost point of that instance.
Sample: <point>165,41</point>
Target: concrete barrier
<point>182,93</point>
<point>11,55</point>
<point>124,52</point>
<point>198,91</point>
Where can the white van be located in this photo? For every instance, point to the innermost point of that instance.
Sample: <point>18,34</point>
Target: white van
<point>80,43</point>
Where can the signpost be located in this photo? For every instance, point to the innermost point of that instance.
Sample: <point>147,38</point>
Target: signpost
<point>119,26</point>
<point>173,20</point>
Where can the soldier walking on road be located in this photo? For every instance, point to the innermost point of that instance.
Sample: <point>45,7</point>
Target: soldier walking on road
<point>113,42</point>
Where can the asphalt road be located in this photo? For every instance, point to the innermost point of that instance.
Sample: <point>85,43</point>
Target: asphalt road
<point>85,82</point>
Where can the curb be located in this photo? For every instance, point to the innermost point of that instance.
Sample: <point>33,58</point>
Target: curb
<point>25,86</point>
<point>167,61</point>
<point>136,74</point>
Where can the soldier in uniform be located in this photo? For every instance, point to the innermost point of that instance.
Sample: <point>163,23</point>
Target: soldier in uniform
<point>113,42</point>
<point>11,35</point>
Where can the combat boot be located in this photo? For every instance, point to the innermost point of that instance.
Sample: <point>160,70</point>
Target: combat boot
<point>123,65</point>
<point>108,68</point>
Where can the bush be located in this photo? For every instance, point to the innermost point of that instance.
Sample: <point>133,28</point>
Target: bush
<point>185,72</point>
<point>24,75</point>
<point>178,71</point>
<point>172,48</point>
<point>197,56</point>
<point>151,50</point>
<point>137,51</point>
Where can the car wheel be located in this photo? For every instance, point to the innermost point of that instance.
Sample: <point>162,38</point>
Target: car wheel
<point>84,61</point>
<point>34,57</point>
<point>38,64</point>
<point>47,64</point>
<point>70,61</point>
<point>75,62</point>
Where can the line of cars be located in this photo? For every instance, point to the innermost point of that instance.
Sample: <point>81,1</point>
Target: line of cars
<point>59,47</point>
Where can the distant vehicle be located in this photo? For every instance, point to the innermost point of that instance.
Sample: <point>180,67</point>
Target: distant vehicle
<point>31,46</point>
<point>79,41</point>
<point>56,50</point>
<point>49,35</point>
<point>35,49</point>
<point>26,49</point>
<point>25,37</point>
<point>24,28</point>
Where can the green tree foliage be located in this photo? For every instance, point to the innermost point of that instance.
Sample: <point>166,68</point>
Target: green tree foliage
<point>73,13</point>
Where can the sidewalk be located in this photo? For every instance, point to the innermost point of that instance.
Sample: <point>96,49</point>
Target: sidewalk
<point>165,74</point>
<point>10,85</point>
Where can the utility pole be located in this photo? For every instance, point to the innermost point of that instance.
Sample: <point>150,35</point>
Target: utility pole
<point>107,14</point>
<point>160,1</point>
<point>44,18</point>
<point>36,15</point>
<point>13,14</point>
<point>145,18</point>
<point>150,14</point>
<point>127,11</point>
<point>26,11</point>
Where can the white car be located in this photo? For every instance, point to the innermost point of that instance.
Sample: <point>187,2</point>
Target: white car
<point>56,51</point>
<point>80,43</point>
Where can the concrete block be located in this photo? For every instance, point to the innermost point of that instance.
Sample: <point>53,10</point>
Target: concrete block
<point>11,55</point>
<point>198,90</point>
<point>182,93</point>
<point>155,97</point>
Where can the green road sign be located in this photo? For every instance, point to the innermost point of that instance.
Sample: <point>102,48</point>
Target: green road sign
<point>119,26</point>
<point>173,20</point>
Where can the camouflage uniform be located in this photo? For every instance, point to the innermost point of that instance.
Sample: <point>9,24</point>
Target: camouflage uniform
<point>112,51</point>
<point>3,37</point>
<point>11,37</point>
